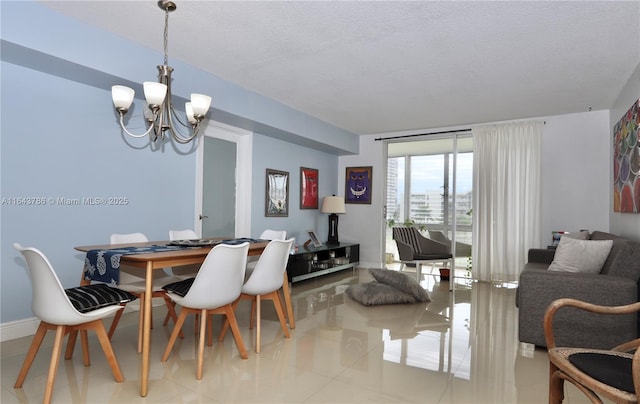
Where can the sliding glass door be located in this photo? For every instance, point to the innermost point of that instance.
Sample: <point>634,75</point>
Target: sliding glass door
<point>429,186</point>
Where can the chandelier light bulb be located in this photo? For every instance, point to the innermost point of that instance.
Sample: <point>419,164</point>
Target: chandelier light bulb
<point>122,97</point>
<point>200,104</point>
<point>189,110</point>
<point>154,92</point>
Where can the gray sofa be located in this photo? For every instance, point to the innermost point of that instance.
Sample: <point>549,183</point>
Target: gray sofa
<point>616,284</point>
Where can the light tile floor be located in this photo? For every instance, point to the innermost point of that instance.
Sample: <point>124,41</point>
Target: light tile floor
<point>462,347</point>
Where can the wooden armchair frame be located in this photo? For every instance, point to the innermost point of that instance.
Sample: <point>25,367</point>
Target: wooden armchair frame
<point>561,368</point>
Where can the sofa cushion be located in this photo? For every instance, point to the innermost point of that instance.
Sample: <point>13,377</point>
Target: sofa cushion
<point>601,235</point>
<point>625,259</point>
<point>583,256</point>
<point>579,235</point>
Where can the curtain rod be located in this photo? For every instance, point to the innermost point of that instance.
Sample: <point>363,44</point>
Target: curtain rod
<point>424,134</point>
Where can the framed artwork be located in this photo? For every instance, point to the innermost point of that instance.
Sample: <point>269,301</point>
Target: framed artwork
<point>308,188</point>
<point>357,184</point>
<point>277,194</point>
<point>314,238</point>
<point>626,161</point>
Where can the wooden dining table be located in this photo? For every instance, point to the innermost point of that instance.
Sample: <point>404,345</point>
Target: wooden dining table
<point>149,262</point>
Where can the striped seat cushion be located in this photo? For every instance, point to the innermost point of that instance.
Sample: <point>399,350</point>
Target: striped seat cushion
<point>179,288</point>
<point>92,297</point>
<point>408,235</point>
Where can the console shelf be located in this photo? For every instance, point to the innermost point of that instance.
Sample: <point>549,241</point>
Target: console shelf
<point>311,261</point>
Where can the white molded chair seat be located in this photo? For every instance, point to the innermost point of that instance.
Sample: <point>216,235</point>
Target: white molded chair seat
<point>265,283</point>
<point>133,281</point>
<point>52,305</point>
<point>216,286</point>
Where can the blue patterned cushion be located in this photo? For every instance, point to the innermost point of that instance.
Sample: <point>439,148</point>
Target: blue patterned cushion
<point>179,288</point>
<point>92,297</point>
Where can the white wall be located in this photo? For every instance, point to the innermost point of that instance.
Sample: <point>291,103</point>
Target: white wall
<point>575,182</point>
<point>575,173</point>
<point>364,224</point>
<point>624,224</point>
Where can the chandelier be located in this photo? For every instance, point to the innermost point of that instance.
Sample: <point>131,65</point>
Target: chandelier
<point>160,114</point>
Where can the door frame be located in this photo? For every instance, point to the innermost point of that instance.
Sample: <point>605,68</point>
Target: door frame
<point>244,153</point>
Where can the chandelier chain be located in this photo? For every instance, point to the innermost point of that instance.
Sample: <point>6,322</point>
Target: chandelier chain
<point>166,36</point>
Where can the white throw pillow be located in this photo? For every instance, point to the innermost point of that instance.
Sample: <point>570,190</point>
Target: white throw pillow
<point>584,256</point>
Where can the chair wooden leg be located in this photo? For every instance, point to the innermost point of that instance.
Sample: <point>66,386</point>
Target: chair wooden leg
<point>55,360</point>
<point>252,315</point>
<point>210,330</point>
<point>115,321</point>
<point>84,341</point>
<point>258,316</point>
<point>174,334</point>
<point>225,326</point>
<point>31,353</point>
<point>556,385</point>
<point>277,301</point>
<point>203,324</point>
<point>105,343</point>
<point>231,318</point>
<point>71,344</point>
<point>171,313</point>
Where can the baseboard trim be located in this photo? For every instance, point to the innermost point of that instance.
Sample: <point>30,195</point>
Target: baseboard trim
<point>28,326</point>
<point>18,329</point>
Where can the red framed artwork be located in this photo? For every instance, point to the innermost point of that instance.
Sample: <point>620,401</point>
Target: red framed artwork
<point>308,188</point>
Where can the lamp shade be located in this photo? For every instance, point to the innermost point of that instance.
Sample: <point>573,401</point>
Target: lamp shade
<point>200,104</point>
<point>154,92</point>
<point>122,96</point>
<point>333,204</point>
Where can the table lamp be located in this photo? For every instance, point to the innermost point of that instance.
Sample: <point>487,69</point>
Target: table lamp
<point>333,205</point>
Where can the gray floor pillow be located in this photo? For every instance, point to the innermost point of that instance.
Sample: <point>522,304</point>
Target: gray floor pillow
<point>402,282</point>
<point>374,293</point>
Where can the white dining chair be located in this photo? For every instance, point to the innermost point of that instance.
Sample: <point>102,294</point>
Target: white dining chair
<point>266,235</point>
<point>265,283</point>
<point>67,311</point>
<point>133,281</point>
<point>185,271</point>
<point>216,286</point>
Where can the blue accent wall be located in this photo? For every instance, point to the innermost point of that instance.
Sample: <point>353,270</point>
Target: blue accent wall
<point>283,156</point>
<point>60,142</point>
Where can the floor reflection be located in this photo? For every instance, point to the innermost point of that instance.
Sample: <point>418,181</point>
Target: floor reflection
<point>459,348</point>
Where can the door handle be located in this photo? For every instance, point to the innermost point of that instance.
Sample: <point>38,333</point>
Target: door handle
<point>203,217</point>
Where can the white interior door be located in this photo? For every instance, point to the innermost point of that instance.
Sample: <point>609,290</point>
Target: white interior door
<point>223,196</point>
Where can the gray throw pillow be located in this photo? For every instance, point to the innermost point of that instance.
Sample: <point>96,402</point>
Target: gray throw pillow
<point>401,282</point>
<point>583,256</point>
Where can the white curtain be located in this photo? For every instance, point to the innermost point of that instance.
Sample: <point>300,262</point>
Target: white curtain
<point>506,197</point>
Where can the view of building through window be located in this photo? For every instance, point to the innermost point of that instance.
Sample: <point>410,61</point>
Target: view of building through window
<point>420,192</point>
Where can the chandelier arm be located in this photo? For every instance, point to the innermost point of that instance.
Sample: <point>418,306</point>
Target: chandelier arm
<point>132,134</point>
<point>170,114</point>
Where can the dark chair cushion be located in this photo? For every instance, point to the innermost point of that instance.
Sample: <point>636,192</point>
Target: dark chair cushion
<point>92,297</point>
<point>179,288</point>
<point>609,369</point>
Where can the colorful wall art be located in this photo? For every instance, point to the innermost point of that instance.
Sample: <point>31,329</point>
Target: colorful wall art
<point>358,182</point>
<point>626,161</point>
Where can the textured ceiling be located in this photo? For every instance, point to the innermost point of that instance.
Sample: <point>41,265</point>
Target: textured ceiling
<point>381,66</point>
